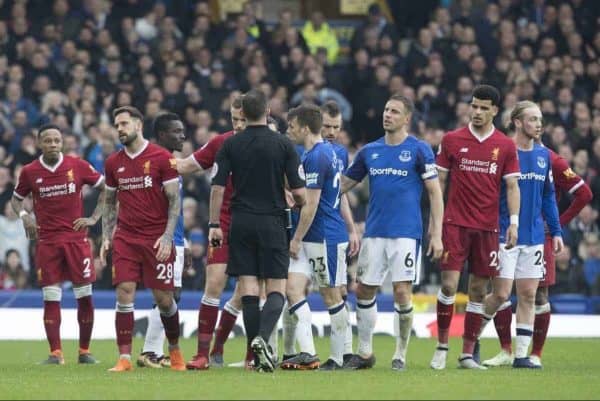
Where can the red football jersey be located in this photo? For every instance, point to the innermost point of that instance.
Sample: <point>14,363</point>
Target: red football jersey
<point>57,198</point>
<point>205,157</point>
<point>139,179</point>
<point>565,179</point>
<point>477,167</point>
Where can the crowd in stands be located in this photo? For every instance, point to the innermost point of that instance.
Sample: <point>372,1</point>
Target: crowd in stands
<point>71,62</point>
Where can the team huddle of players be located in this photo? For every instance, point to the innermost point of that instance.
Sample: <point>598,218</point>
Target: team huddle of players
<point>500,217</point>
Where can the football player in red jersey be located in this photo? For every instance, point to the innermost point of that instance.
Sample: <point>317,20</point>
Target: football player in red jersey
<point>63,252</point>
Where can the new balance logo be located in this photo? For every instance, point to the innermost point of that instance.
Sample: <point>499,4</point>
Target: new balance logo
<point>39,180</point>
<point>120,169</point>
<point>464,150</point>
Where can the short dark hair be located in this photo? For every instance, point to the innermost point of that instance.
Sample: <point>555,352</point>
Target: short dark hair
<point>236,103</point>
<point>46,127</point>
<point>331,108</point>
<point>308,115</point>
<point>162,121</point>
<point>133,112</point>
<point>254,104</point>
<point>487,92</point>
<point>409,106</point>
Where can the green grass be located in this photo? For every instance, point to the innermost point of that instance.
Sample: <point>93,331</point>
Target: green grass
<point>570,372</point>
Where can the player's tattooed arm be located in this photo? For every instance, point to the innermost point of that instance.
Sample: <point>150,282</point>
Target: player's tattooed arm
<point>165,242</point>
<point>109,220</point>
<point>84,222</point>
<point>28,220</point>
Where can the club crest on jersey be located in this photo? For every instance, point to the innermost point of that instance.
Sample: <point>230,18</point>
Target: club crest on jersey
<point>70,175</point>
<point>147,167</point>
<point>405,156</point>
<point>495,153</point>
<point>541,162</point>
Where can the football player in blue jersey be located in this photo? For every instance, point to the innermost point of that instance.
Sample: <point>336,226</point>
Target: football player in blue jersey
<point>398,166</point>
<point>169,131</point>
<point>524,263</point>
<point>318,246</point>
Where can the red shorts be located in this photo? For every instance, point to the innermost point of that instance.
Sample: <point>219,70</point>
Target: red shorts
<point>478,247</point>
<point>218,255</point>
<point>549,265</point>
<point>60,261</point>
<point>135,260</point>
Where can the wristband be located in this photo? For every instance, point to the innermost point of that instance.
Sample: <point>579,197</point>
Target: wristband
<point>214,225</point>
<point>514,219</point>
<point>23,213</point>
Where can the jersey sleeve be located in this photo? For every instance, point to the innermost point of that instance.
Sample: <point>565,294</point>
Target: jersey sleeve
<point>88,174</point>
<point>511,162</point>
<point>23,185</point>
<point>168,168</point>
<point>206,155</point>
<point>549,206</point>
<point>426,162</point>
<point>358,169</point>
<point>565,178</point>
<point>315,168</point>
<point>443,159</point>
<point>293,169</point>
<point>222,165</point>
<point>110,180</point>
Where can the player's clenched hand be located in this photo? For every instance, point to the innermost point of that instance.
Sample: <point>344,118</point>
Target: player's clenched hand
<point>215,237</point>
<point>294,248</point>
<point>435,248</point>
<point>164,245</point>
<point>30,227</point>
<point>511,236</point>
<point>106,245</point>
<point>557,245</point>
<point>353,244</point>
<point>83,222</point>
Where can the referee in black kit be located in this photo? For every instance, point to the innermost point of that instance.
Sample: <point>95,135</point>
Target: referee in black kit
<point>258,159</point>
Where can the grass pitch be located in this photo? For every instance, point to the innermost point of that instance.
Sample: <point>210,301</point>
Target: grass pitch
<point>571,371</point>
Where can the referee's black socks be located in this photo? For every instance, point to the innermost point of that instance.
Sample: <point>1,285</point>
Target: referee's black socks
<point>251,315</point>
<point>270,314</point>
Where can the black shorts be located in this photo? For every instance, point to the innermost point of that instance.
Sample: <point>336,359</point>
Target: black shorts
<point>258,246</point>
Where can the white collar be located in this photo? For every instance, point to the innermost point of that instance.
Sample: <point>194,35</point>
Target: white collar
<point>52,169</point>
<point>486,136</point>
<point>139,152</point>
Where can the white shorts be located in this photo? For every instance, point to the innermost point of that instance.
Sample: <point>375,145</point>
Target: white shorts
<point>178,266</point>
<point>325,263</point>
<point>401,256</point>
<point>522,261</point>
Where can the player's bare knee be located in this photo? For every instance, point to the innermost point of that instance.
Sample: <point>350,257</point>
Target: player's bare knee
<point>364,291</point>
<point>331,296</point>
<point>125,293</point>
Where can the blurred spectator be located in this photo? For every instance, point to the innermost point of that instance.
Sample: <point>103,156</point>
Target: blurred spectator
<point>12,235</point>
<point>12,274</point>
<point>590,252</point>
<point>569,274</point>
<point>317,34</point>
<point>194,277</point>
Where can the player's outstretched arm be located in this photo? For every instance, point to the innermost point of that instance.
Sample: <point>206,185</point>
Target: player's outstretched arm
<point>109,220</point>
<point>28,220</point>
<point>83,222</point>
<point>187,166</point>
<point>436,215</point>
<point>513,197</point>
<point>307,215</point>
<point>165,242</point>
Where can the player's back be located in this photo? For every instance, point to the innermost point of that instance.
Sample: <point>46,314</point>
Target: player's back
<point>477,168</point>
<point>139,180</point>
<point>396,174</point>
<point>56,193</point>
<point>322,171</point>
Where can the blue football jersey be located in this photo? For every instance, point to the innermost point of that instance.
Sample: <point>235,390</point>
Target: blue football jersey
<point>342,156</point>
<point>321,170</point>
<point>396,174</point>
<point>179,234</point>
<point>538,200</point>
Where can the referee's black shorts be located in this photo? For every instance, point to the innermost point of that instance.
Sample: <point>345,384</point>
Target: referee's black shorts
<point>258,246</point>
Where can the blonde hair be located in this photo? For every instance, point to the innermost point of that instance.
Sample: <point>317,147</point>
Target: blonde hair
<point>518,111</point>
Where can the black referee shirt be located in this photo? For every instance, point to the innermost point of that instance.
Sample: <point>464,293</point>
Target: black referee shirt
<point>258,159</point>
